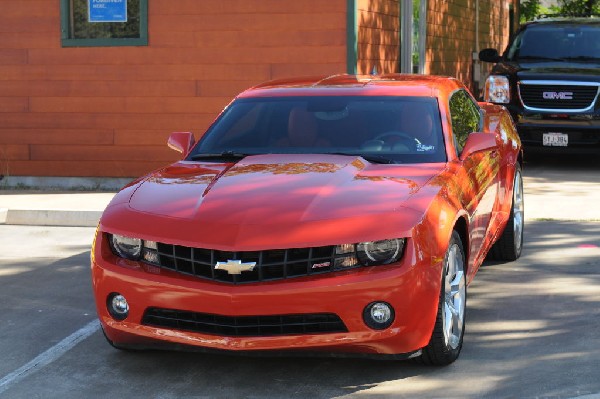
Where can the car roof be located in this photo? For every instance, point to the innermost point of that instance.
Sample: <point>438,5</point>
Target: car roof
<point>348,85</point>
<point>561,20</point>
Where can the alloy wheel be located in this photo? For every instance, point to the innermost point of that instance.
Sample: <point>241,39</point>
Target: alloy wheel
<point>454,298</point>
<point>518,211</point>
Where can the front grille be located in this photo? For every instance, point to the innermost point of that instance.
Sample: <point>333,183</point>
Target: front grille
<point>270,264</point>
<point>557,97</point>
<point>244,326</point>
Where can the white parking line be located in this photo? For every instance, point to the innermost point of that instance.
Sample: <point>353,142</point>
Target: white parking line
<point>49,356</point>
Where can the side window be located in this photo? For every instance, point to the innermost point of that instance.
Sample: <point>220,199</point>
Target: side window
<point>104,22</point>
<point>465,118</point>
<point>514,48</point>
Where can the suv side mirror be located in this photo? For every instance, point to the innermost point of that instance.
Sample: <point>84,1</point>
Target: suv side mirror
<point>181,142</point>
<point>477,142</point>
<point>489,55</point>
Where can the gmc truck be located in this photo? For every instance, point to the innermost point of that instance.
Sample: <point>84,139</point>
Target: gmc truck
<point>549,79</point>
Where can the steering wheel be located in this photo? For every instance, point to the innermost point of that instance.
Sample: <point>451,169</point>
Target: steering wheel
<point>394,133</point>
<point>406,139</point>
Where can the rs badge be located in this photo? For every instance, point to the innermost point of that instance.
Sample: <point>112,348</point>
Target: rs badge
<point>235,266</point>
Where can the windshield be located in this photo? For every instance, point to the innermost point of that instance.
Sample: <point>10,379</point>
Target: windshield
<point>557,42</point>
<point>383,129</point>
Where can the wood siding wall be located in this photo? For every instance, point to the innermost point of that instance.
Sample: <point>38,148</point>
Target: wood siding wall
<point>451,38</point>
<point>378,36</point>
<point>107,111</point>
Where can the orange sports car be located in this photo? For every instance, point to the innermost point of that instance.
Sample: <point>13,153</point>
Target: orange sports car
<point>341,215</point>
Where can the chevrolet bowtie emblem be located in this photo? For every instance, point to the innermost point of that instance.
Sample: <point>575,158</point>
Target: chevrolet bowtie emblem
<point>235,266</point>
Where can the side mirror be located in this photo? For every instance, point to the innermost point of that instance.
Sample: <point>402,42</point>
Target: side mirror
<point>477,142</point>
<point>181,142</point>
<point>489,55</point>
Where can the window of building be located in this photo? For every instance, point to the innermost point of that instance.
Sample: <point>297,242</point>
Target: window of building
<point>413,34</point>
<point>104,22</point>
<point>466,117</point>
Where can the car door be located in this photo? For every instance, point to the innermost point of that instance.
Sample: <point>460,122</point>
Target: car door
<point>477,174</point>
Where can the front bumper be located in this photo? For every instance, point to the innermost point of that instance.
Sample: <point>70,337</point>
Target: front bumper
<point>411,286</point>
<point>583,132</point>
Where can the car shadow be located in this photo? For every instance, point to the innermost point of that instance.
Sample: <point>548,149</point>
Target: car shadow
<point>531,332</point>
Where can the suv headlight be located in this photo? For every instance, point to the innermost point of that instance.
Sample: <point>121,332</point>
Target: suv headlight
<point>497,89</point>
<point>369,253</point>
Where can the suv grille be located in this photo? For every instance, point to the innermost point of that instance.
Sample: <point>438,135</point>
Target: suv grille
<point>258,326</point>
<point>270,264</point>
<point>557,97</point>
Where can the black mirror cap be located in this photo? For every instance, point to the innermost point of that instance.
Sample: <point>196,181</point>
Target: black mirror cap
<point>489,55</point>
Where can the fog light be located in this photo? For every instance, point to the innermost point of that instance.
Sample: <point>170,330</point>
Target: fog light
<point>117,306</point>
<point>378,315</point>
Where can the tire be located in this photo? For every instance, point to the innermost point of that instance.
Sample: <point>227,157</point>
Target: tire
<point>447,338</point>
<point>510,244</point>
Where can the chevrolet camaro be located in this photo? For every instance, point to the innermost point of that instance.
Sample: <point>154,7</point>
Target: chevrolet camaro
<point>341,215</point>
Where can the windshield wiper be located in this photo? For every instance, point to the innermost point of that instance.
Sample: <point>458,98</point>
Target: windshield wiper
<point>368,157</point>
<point>539,57</point>
<point>220,156</point>
<point>582,58</point>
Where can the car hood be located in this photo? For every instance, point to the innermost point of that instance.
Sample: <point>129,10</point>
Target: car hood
<point>288,194</point>
<point>554,70</point>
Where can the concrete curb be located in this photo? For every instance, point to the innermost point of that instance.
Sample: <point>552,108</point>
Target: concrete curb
<point>549,195</point>
<point>42,217</point>
<point>43,208</point>
<point>65,183</point>
<point>90,218</point>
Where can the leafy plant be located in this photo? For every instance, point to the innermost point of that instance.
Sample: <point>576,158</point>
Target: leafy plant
<point>529,9</point>
<point>576,8</point>
<point>579,8</point>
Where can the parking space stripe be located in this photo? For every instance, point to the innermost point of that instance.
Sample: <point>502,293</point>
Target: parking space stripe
<point>49,356</point>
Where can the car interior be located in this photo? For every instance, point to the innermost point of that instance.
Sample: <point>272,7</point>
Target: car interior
<point>402,129</point>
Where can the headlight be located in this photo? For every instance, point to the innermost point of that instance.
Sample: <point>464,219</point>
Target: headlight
<point>497,90</point>
<point>379,252</point>
<point>126,247</point>
<point>369,253</point>
<point>134,248</point>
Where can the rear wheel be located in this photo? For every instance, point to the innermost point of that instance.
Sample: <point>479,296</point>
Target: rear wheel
<point>510,244</point>
<point>447,337</point>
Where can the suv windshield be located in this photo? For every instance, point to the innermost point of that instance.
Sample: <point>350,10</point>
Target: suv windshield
<point>564,42</point>
<point>382,129</point>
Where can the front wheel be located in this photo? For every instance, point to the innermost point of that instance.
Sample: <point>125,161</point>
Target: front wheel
<point>447,337</point>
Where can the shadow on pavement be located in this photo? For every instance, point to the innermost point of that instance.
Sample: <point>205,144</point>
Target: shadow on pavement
<point>531,332</point>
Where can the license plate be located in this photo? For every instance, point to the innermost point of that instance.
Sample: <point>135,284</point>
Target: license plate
<point>555,139</point>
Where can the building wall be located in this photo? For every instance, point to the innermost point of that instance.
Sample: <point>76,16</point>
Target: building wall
<point>451,36</point>
<point>378,35</point>
<point>107,111</point>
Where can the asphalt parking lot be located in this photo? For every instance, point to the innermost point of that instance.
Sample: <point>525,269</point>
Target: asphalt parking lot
<point>532,325</point>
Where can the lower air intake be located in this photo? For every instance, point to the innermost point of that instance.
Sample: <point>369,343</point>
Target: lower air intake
<point>244,326</point>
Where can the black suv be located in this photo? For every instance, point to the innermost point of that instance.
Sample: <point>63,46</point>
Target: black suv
<point>549,79</point>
